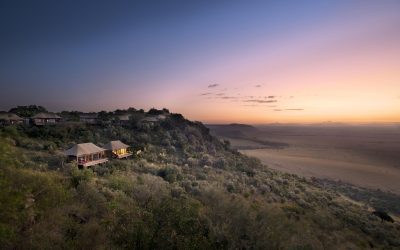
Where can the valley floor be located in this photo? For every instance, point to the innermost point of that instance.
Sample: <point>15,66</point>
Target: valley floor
<point>360,174</point>
<point>365,156</point>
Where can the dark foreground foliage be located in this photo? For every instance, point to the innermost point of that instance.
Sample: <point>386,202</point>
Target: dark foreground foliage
<point>186,190</point>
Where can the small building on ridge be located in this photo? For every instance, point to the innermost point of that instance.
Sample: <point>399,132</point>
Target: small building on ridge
<point>122,119</point>
<point>89,118</point>
<point>7,118</point>
<point>45,119</point>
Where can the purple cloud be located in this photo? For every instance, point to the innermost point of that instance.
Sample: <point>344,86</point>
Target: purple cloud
<point>260,101</point>
<point>213,85</point>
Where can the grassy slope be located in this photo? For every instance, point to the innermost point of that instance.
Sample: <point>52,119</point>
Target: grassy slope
<point>187,191</point>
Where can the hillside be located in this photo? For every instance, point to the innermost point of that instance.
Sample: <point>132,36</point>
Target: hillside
<point>186,190</point>
<point>243,136</point>
<point>232,130</point>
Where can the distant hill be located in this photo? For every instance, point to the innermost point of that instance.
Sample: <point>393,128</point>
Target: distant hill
<point>244,132</point>
<point>232,130</point>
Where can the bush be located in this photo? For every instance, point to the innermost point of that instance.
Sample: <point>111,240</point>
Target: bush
<point>193,162</point>
<point>80,175</point>
<point>246,169</point>
<point>206,160</point>
<point>220,163</point>
<point>170,174</point>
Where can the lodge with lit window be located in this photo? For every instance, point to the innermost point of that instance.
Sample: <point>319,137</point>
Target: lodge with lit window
<point>117,149</point>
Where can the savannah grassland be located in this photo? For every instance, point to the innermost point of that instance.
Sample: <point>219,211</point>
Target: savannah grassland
<point>366,156</point>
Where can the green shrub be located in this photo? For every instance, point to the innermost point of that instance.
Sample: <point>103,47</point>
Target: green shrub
<point>170,174</point>
<point>80,175</point>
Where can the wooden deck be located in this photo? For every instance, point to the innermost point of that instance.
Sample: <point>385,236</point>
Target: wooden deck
<point>91,163</point>
<point>124,155</point>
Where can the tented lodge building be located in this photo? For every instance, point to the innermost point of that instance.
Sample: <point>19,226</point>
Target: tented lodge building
<point>45,119</point>
<point>117,149</point>
<point>10,118</point>
<point>87,154</point>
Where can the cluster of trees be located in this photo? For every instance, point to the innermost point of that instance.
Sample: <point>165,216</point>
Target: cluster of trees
<point>187,190</point>
<point>27,111</point>
<point>31,110</point>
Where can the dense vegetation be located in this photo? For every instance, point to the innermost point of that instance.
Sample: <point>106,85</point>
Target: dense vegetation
<point>186,190</point>
<point>28,111</point>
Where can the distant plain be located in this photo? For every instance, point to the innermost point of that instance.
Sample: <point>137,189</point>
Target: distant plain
<point>362,155</point>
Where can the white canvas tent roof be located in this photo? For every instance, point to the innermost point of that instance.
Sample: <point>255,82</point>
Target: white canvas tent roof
<point>115,145</point>
<point>84,149</point>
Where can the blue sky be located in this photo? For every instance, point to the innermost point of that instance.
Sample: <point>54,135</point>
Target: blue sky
<point>94,55</point>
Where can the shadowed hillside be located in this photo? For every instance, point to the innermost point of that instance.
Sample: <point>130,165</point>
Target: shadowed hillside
<point>233,130</point>
<point>244,136</point>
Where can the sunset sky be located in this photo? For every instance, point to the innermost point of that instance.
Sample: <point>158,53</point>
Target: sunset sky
<point>231,61</point>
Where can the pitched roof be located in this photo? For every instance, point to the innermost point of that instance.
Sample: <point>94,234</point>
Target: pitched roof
<point>46,116</point>
<point>83,149</point>
<point>115,145</point>
<point>9,116</point>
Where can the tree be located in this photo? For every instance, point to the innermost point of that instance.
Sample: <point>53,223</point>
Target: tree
<point>70,115</point>
<point>154,111</point>
<point>27,111</point>
<point>105,116</point>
